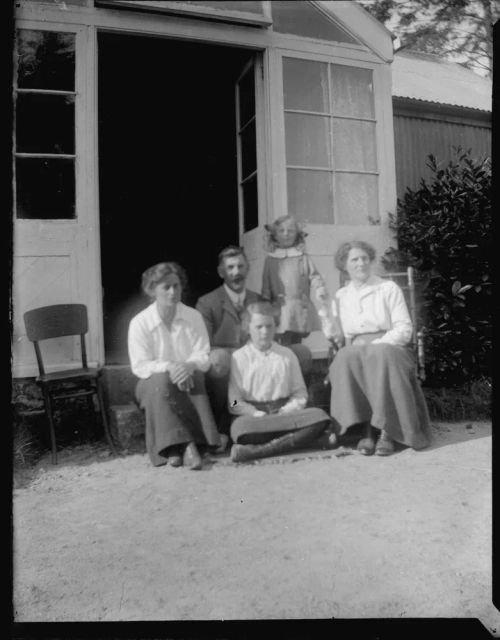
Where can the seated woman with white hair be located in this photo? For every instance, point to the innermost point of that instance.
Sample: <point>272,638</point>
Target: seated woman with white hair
<point>268,395</point>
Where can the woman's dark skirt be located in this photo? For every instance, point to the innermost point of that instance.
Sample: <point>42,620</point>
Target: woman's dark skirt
<point>246,429</point>
<point>171,415</point>
<point>377,383</point>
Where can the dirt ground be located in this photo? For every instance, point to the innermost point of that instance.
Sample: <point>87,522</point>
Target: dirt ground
<point>312,535</point>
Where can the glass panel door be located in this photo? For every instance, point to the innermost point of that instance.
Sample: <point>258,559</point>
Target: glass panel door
<point>246,136</point>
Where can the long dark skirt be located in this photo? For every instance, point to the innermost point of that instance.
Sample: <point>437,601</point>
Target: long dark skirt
<point>250,430</point>
<point>378,384</point>
<point>175,417</point>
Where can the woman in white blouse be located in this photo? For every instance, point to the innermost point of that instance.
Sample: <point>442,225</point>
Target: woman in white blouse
<point>268,395</point>
<point>373,377</point>
<point>168,349</point>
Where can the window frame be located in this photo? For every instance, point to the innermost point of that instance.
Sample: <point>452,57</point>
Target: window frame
<point>382,115</point>
<point>378,120</point>
<point>80,33</point>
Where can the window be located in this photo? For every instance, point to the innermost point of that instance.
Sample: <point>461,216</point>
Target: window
<point>331,154</point>
<point>44,146</point>
<point>303,19</point>
<point>247,149</point>
<point>248,13</point>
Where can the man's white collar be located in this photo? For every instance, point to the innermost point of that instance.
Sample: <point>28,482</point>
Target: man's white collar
<point>235,297</point>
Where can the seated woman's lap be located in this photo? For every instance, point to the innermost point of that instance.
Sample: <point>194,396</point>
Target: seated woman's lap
<point>378,383</point>
<point>171,417</point>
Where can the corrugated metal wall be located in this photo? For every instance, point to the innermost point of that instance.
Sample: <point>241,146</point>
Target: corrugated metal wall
<point>415,138</point>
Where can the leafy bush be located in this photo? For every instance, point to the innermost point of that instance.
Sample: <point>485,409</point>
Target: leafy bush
<point>443,229</point>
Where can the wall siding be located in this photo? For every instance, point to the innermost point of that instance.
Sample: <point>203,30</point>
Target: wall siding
<point>415,138</point>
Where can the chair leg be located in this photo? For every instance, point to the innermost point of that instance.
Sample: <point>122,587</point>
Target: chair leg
<point>104,417</point>
<point>91,407</point>
<point>50,416</point>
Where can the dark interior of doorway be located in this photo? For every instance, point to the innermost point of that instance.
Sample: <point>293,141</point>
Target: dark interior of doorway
<point>167,168</point>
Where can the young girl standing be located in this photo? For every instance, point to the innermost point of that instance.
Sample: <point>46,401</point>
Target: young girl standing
<point>290,281</point>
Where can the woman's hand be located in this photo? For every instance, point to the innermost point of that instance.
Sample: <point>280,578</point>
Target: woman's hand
<point>180,372</point>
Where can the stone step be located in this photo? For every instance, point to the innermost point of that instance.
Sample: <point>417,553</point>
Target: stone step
<point>119,384</point>
<point>127,426</point>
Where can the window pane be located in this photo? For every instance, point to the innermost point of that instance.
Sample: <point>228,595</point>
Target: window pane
<point>46,60</point>
<point>247,97</point>
<point>305,85</point>
<point>352,91</point>
<point>356,198</point>
<point>250,204</point>
<point>354,145</point>
<point>310,195</point>
<point>248,150</point>
<point>45,188</point>
<point>303,19</point>
<point>45,123</point>
<point>307,140</point>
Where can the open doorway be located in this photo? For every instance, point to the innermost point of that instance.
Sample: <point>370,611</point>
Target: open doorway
<point>167,167</point>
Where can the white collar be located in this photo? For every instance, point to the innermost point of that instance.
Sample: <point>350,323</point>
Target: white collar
<point>154,318</point>
<point>236,298</point>
<point>366,287</point>
<point>259,352</point>
<point>291,252</point>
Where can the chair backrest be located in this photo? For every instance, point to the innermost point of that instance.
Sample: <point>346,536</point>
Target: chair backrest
<point>56,321</point>
<point>406,281</point>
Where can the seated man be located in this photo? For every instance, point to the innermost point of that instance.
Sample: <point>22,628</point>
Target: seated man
<point>222,311</point>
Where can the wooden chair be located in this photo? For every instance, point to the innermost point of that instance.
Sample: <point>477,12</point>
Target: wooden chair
<point>406,280</point>
<point>53,322</point>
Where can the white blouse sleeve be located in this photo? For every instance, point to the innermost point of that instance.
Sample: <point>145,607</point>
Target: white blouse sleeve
<point>401,325</point>
<point>298,390</point>
<point>143,360</point>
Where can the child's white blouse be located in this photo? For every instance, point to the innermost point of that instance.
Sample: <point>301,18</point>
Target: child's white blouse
<point>262,376</point>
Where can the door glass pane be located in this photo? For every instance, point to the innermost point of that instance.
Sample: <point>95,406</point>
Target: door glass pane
<point>46,60</point>
<point>247,97</point>
<point>356,198</point>
<point>303,19</point>
<point>248,150</point>
<point>307,140</point>
<point>310,195</point>
<point>352,91</point>
<point>250,204</point>
<point>305,85</point>
<point>354,145</point>
<point>45,188</point>
<point>45,123</point>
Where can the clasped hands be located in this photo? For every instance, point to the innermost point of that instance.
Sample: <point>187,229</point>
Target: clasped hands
<point>181,374</point>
